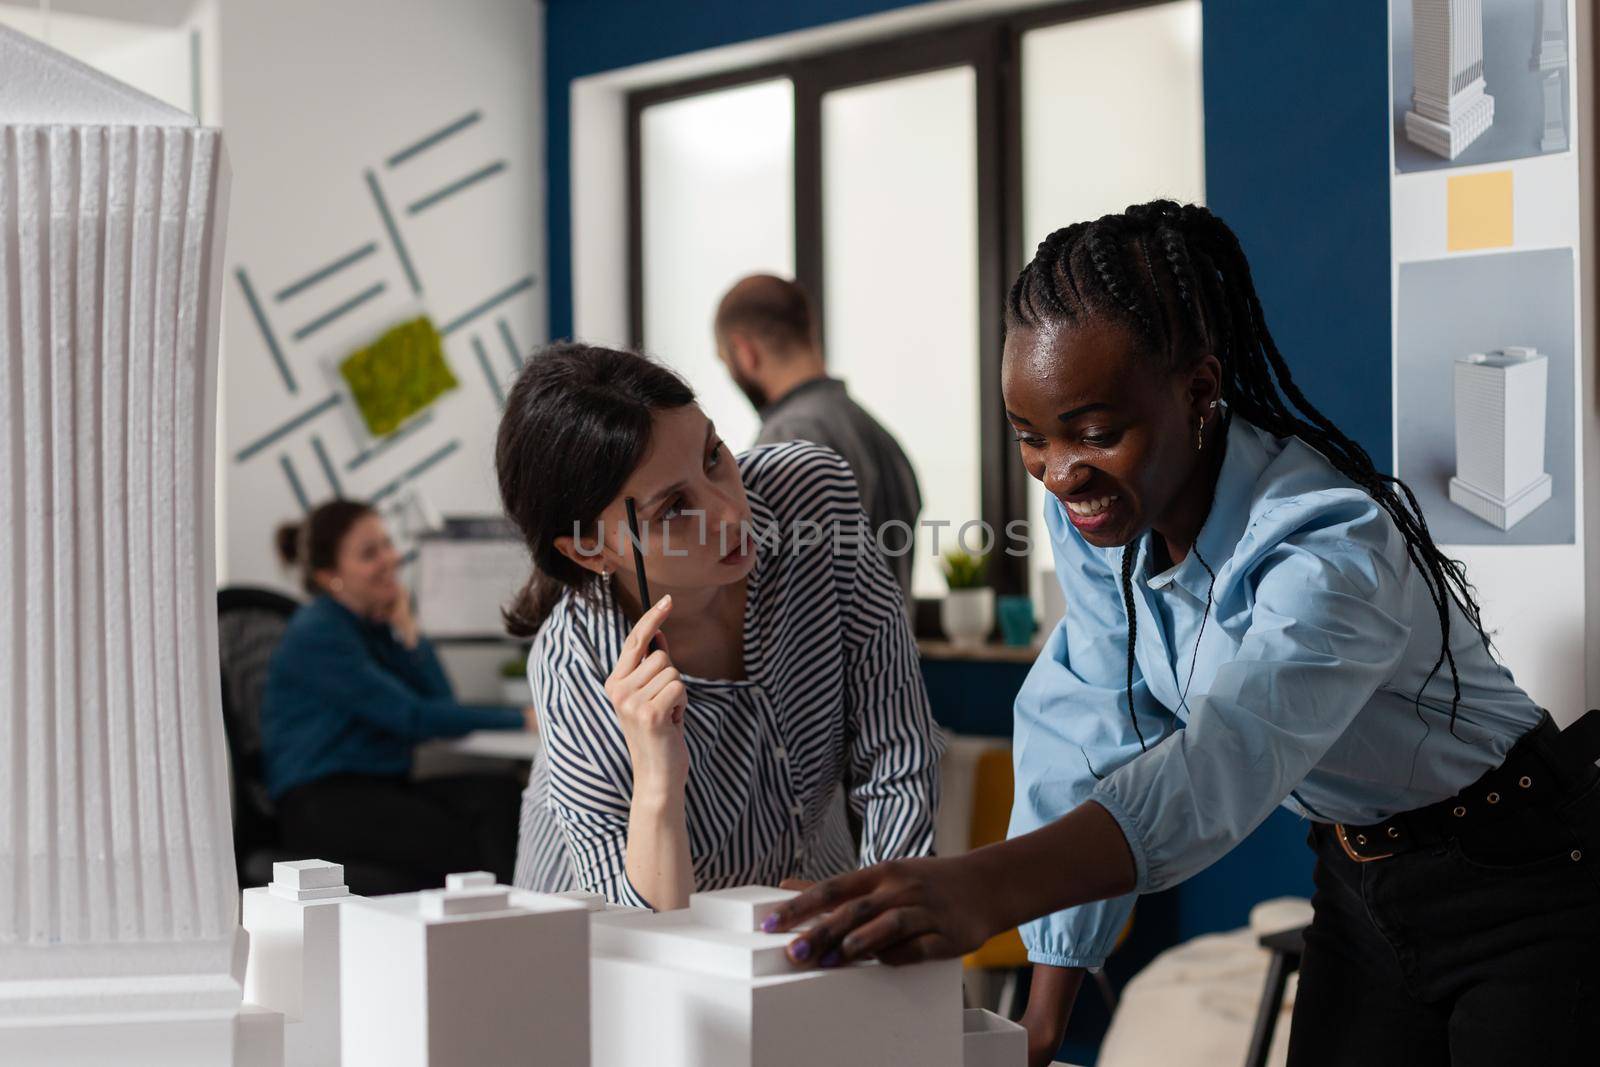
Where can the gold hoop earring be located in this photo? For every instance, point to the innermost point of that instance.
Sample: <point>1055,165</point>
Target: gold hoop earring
<point>1200,436</point>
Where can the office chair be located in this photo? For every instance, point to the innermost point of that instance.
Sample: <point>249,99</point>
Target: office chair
<point>250,623</point>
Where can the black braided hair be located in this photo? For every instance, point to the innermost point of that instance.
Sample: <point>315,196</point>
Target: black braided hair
<point>1178,277</point>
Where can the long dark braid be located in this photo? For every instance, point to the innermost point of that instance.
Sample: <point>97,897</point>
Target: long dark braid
<point>1176,273</point>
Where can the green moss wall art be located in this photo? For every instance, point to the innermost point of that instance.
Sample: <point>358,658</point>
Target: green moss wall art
<point>398,375</point>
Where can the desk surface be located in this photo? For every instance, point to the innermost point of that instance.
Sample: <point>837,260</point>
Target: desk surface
<point>986,653</point>
<point>497,744</point>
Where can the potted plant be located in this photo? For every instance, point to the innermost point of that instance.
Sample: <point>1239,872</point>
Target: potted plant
<point>967,612</point>
<point>514,688</point>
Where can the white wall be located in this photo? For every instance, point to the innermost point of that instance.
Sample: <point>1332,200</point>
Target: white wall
<point>315,97</point>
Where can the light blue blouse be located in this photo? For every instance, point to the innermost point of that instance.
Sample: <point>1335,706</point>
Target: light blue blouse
<point>1306,684</point>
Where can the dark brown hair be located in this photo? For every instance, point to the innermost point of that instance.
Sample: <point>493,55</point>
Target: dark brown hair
<point>576,424</point>
<point>775,310</point>
<point>312,544</point>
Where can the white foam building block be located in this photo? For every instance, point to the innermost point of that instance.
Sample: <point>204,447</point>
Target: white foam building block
<point>258,1037</point>
<point>702,987</point>
<point>464,977</point>
<point>1500,401</point>
<point>1449,107</point>
<point>742,908</point>
<point>118,901</point>
<point>989,1040</point>
<point>294,956</point>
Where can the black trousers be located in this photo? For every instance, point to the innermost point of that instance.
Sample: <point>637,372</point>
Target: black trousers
<point>396,836</point>
<point>1484,949</point>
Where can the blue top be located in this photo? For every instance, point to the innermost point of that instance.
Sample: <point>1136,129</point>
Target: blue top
<point>343,696</point>
<point>1308,685</point>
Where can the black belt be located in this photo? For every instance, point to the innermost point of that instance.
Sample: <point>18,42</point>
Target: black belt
<point>1544,767</point>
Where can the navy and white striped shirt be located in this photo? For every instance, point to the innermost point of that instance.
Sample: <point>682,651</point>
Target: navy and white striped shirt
<point>832,712</point>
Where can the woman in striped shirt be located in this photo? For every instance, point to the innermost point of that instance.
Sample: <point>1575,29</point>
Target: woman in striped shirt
<point>731,733</point>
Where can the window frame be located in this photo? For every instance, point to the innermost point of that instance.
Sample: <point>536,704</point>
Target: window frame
<point>992,46</point>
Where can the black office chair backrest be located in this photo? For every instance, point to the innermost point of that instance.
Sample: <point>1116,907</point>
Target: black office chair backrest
<point>250,623</point>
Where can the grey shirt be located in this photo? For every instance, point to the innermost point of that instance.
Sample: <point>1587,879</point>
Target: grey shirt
<point>822,412</point>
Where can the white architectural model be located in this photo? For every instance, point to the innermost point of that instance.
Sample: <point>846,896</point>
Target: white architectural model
<point>703,987</point>
<point>464,976</point>
<point>990,1041</point>
<point>1550,43</point>
<point>1554,138</point>
<point>1449,108</point>
<point>294,956</point>
<point>118,904</point>
<point>1500,424</point>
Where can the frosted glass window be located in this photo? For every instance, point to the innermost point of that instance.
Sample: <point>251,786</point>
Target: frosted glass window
<point>900,234</point>
<point>1112,115</point>
<point>718,203</point>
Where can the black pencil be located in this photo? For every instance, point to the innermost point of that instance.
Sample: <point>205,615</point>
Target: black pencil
<point>638,560</point>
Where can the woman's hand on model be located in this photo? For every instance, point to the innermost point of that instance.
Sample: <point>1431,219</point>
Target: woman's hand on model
<point>649,697</point>
<point>903,911</point>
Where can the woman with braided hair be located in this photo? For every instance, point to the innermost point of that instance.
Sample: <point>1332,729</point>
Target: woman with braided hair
<point>1256,616</point>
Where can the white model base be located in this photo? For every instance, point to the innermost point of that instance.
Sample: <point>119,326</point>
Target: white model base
<point>464,977</point>
<point>294,956</point>
<point>1468,121</point>
<point>157,1042</point>
<point>1504,513</point>
<point>701,988</point>
<point>988,1040</point>
<point>258,1037</point>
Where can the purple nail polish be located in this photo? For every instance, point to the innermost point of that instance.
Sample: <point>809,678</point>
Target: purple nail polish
<point>830,960</point>
<point>801,949</point>
<point>769,924</point>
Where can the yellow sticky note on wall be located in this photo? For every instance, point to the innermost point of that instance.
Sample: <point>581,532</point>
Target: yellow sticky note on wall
<point>1479,211</point>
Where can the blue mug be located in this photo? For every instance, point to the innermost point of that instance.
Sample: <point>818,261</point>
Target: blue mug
<point>1017,624</point>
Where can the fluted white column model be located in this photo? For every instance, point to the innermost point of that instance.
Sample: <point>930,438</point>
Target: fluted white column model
<point>1500,421</point>
<point>1449,108</point>
<point>119,931</point>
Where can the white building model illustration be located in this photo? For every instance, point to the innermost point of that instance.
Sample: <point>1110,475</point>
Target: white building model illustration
<point>1500,429</point>
<point>703,987</point>
<point>1550,43</point>
<point>466,976</point>
<point>294,956</point>
<point>1449,107</point>
<point>119,934</point>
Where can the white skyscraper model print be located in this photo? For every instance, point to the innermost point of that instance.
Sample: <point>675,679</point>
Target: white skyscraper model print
<point>1500,429</point>
<point>1449,107</point>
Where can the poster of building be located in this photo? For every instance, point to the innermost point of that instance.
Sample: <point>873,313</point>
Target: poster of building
<point>1478,81</point>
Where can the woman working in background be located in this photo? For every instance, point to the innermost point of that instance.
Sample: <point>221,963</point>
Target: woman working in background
<point>351,689</point>
<point>1255,616</point>
<point>715,738</point>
